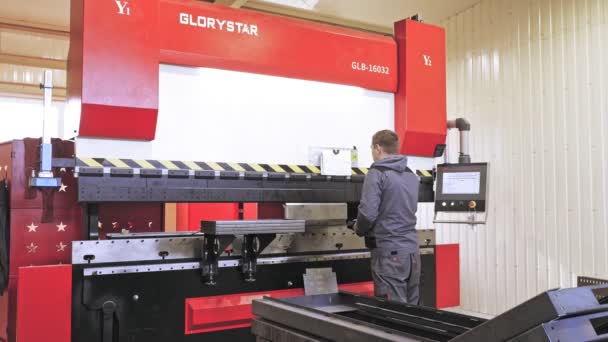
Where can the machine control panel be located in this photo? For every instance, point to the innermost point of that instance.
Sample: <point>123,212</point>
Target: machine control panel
<point>461,187</point>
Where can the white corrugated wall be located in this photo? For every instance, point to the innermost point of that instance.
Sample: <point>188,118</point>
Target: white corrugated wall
<point>532,77</point>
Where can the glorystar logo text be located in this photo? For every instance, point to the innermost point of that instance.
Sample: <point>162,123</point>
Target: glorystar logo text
<point>218,24</point>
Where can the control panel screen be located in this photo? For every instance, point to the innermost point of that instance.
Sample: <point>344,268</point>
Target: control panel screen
<point>461,187</point>
<point>461,183</point>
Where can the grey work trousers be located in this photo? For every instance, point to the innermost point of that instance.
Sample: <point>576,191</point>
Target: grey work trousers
<point>396,275</point>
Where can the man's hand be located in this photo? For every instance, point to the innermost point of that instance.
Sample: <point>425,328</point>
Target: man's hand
<point>351,224</point>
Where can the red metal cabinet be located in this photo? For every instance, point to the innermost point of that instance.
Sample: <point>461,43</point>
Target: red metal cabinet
<point>44,304</point>
<point>420,100</point>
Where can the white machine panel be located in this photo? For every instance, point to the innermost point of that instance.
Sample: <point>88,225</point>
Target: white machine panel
<point>227,116</point>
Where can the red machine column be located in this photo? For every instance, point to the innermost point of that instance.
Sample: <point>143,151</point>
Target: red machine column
<point>113,67</point>
<point>44,303</point>
<point>420,100</point>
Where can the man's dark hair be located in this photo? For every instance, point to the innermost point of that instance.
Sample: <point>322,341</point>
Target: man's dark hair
<point>388,140</point>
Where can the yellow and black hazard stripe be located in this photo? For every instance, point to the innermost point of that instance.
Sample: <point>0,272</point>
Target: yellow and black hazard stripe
<point>424,173</point>
<point>202,166</point>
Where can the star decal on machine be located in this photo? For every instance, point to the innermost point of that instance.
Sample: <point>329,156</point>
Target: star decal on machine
<point>31,248</point>
<point>61,227</point>
<point>63,187</point>
<point>31,228</point>
<point>61,247</point>
<point>150,225</point>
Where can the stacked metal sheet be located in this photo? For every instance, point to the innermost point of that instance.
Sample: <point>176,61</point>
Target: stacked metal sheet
<point>248,227</point>
<point>320,281</point>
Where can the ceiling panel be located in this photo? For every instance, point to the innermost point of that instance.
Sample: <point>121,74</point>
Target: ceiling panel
<point>383,12</point>
<point>380,12</point>
<point>54,13</point>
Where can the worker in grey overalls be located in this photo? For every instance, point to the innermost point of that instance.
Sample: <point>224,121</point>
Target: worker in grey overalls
<point>387,220</point>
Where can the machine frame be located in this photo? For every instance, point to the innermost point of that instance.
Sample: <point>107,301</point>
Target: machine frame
<point>113,80</point>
